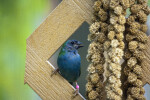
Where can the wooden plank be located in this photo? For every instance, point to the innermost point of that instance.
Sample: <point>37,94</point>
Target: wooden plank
<point>146,63</point>
<point>38,78</point>
<point>86,7</point>
<point>56,29</point>
<point>59,26</point>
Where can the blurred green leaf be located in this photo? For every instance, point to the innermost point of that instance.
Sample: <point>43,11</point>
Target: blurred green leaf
<point>18,19</point>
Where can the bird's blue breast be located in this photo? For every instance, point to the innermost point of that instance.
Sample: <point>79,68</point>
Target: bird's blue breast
<point>69,65</point>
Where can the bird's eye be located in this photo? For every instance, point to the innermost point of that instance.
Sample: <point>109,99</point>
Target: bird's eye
<point>72,42</point>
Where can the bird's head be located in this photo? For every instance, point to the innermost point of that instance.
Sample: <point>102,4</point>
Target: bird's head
<point>74,44</point>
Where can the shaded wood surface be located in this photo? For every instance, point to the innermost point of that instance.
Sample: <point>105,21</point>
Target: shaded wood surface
<point>146,63</point>
<point>47,38</point>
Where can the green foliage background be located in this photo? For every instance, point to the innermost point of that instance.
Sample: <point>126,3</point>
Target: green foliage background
<point>18,19</point>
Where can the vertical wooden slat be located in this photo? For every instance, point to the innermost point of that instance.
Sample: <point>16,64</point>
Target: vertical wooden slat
<point>146,63</point>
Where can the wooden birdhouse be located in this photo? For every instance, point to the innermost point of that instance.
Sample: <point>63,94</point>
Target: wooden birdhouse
<point>47,38</point>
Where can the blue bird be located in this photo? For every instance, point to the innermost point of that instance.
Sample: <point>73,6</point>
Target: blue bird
<point>69,62</point>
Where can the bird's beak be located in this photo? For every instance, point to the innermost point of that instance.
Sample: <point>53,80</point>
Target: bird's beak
<point>79,46</point>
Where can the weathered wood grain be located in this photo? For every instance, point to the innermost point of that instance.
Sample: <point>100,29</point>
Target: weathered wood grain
<point>38,77</point>
<point>48,37</point>
<point>56,29</point>
<point>43,43</point>
<point>146,64</point>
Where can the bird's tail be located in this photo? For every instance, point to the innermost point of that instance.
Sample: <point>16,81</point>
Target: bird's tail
<point>71,83</point>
